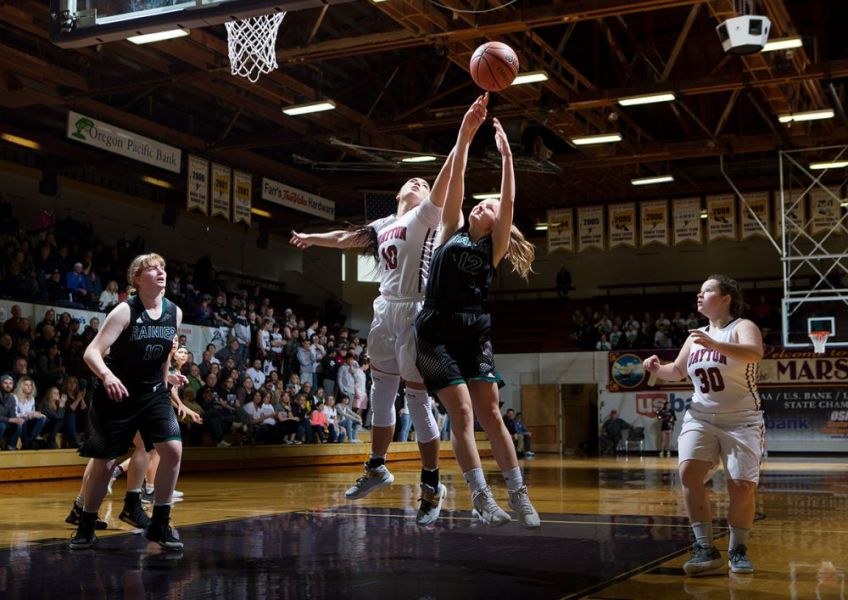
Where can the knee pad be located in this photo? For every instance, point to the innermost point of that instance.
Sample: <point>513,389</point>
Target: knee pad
<point>384,389</point>
<point>426,428</point>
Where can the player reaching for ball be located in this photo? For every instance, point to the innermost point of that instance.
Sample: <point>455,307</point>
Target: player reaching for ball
<point>402,244</point>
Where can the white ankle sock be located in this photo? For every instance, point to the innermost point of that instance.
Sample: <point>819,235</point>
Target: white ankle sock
<point>703,534</point>
<point>738,537</point>
<point>514,478</point>
<point>475,479</point>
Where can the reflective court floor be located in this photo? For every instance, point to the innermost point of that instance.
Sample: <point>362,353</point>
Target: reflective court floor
<point>612,528</point>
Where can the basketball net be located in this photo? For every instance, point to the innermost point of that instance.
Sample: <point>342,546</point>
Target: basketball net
<point>252,45</point>
<point>819,339</point>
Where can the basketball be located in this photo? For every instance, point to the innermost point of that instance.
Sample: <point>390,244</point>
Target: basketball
<point>494,66</point>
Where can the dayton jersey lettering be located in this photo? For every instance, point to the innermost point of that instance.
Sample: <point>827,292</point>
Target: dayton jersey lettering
<point>404,245</point>
<point>139,354</point>
<point>722,384</point>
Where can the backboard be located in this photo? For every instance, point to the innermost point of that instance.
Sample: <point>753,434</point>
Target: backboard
<point>79,23</point>
<point>803,317</point>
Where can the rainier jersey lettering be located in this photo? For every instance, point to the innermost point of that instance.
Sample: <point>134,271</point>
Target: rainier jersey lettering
<point>460,274</point>
<point>404,245</point>
<point>722,384</point>
<point>139,354</point>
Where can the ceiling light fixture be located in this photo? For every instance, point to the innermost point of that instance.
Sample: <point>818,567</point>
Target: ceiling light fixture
<point>149,38</point>
<point>419,159</point>
<point>487,196</point>
<point>309,107</point>
<point>810,115</point>
<point>14,139</point>
<point>603,138</point>
<point>829,165</point>
<point>783,44</point>
<point>651,180</point>
<point>530,77</point>
<point>157,182</point>
<point>260,213</point>
<point>647,99</point>
<point>541,226</point>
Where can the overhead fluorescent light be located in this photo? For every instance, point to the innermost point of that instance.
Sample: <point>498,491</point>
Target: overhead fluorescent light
<point>487,196</point>
<point>419,159</point>
<point>260,213</point>
<point>14,139</point>
<point>309,107</point>
<point>650,180</point>
<point>704,214</point>
<point>530,77</point>
<point>157,182</point>
<point>810,115</point>
<point>603,138</point>
<point>541,226</point>
<point>783,44</point>
<point>647,99</point>
<point>149,38</point>
<point>829,165</point>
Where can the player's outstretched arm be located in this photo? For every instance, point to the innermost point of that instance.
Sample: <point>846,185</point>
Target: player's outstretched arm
<point>439,191</point>
<point>503,222</point>
<point>340,238</point>
<point>673,371</point>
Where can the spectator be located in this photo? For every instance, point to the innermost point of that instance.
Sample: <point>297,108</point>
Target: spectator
<point>563,282</point>
<point>263,340</point>
<point>56,290</point>
<point>7,354</point>
<point>109,297</point>
<point>352,384</point>
<point>293,386</point>
<point>308,357</point>
<point>34,421</point>
<point>667,419</point>
<point>232,350</point>
<point>523,435</point>
<point>611,431</point>
<point>404,423</point>
<point>330,364</point>
<point>242,335</point>
<point>301,412</point>
<point>53,407</point>
<point>9,419</point>
<point>77,285</point>
<point>260,418</point>
<point>256,374</point>
<point>49,368</point>
<point>603,343</point>
<point>287,421</point>
<point>11,324</point>
<point>333,432</point>
<point>318,420</point>
<point>348,420</point>
<point>76,408</point>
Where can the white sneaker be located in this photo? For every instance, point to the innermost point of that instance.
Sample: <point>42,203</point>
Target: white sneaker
<point>431,503</point>
<point>486,509</point>
<point>373,479</point>
<point>178,494</point>
<point>223,444</point>
<point>519,501</point>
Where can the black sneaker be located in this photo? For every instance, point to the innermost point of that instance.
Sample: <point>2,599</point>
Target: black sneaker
<point>74,516</point>
<point>135,516</point>
<point>163,535</point>
<point>147,495</point>
<point>82,539</point>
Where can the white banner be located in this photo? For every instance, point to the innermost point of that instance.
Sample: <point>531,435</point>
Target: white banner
<point>120,141</point>
<point>621,219</point>
<point>284,195</point>
<point>759,203</point>
<point>654,222</point>
<point>242,194</point>
<point>721,217</point>
<point>221,176</point>
<point>795,214</point>
<point>825,210</point>
<point>561,230</point>
<point>590,227</point>
<point>197,186</point>
<point>687,220</point>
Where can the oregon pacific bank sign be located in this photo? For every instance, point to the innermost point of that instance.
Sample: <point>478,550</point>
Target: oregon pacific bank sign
<point>126,143</point>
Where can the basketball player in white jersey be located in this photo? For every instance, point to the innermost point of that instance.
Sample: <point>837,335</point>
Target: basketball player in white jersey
<point>724,421</point>
<point>402,244</point>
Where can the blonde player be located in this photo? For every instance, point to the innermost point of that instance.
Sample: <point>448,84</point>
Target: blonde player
<point>402,244</point>
<point>724,421</point>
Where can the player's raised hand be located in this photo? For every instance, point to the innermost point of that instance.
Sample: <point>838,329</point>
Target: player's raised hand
<point>474,117</point>
<point>299,240</point>
<point>651,364</point>
<point>501,140</point>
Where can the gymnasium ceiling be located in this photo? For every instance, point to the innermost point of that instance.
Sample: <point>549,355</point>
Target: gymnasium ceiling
<point>397,71</point>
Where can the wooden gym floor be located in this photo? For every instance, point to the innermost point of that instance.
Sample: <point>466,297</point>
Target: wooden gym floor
<point>612,529</point>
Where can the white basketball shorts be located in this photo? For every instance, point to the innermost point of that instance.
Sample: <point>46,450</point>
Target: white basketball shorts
<point>391,342</point>
<point>737,439</point>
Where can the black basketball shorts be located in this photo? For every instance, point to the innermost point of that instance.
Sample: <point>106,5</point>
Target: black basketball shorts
<point>112,425</point>
<point>454,348</point>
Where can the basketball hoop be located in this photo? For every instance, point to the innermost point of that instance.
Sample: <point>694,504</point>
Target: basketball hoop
<point>252,45</point>
<point>819,339</point>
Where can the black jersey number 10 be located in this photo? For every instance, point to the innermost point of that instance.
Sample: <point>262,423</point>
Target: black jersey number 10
<point>152,352</point>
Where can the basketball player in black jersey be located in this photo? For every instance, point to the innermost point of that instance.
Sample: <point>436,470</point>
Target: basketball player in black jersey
<point>455,354</point>
<point>130,357</point>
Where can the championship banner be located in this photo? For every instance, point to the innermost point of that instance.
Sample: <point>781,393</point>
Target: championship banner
<point>221,176</point>
<point>590,227</point>
<point>721,217</point>
<point>242,194</point>
<point>561,230</point>
<point>686,213</point>
<point>759,203</point>
<point>622,225</point>
<point>284,195</point>
<point>654,222</point>
<point>825,210</point>
<point>197,186</point>
<point>795,215</point>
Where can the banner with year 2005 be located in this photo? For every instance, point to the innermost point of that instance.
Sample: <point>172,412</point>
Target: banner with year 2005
<point>197,186</point>
<point>590,227</point>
